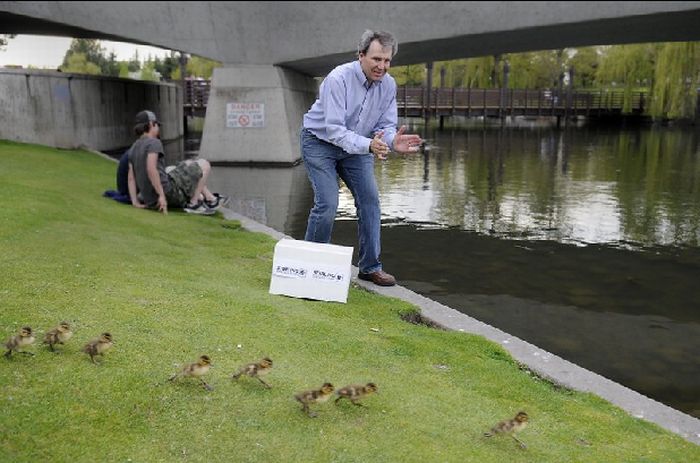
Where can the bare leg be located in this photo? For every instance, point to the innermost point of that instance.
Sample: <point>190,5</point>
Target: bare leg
<point>201,189</point>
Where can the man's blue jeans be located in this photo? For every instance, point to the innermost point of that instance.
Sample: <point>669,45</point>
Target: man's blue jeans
<point>324,163</point>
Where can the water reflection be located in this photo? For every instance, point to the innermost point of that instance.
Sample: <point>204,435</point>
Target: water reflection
<point>279,197</point>
<point>580,186</point>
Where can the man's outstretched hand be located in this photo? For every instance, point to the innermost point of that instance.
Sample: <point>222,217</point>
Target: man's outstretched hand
<point>406,143</point>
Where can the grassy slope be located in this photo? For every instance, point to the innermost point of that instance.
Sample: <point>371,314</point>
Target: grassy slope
<point>170,288</point>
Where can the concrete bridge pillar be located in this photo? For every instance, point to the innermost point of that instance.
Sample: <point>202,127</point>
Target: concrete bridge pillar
<point>254,114</point>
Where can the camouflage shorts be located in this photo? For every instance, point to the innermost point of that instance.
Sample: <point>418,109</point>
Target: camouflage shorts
<point>183,180</point>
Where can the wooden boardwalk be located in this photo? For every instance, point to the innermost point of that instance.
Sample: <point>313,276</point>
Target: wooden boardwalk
<point>441,102</point>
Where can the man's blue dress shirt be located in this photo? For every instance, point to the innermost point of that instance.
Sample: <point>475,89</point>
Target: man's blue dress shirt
<point>350,110</point>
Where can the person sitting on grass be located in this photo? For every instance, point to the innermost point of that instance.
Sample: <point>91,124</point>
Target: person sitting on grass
<point>150,186</point>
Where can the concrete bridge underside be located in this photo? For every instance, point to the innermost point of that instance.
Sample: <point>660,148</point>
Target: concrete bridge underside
<point>271,50</point>
<point>313,37</point>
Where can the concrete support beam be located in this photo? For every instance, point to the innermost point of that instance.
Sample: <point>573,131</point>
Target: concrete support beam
<point>232,134</point>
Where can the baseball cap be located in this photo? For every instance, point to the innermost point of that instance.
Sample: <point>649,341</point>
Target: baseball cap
<point>146,116</point>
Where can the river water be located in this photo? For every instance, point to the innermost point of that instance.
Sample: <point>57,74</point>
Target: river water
<point>584,241</point>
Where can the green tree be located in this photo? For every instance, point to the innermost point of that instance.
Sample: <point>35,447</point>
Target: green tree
<point>123,69</point>
<point>201,67</point>
<point>134,64</point>
<point>585,62</point>
<point>148,72</point>
<point>110,66</point>
<point>91,51</point>
<point>167,65</point>
<point>411,75</point>
<point>477,72</point>
<point>629,67</point>
<point>674,94</point>
<point>79,64</point>
<point>197,67</point>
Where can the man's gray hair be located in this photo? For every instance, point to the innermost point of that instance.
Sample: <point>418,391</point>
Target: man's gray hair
<point>386,40</point>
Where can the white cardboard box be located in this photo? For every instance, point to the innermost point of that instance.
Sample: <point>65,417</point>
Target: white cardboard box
<point>311,270</point>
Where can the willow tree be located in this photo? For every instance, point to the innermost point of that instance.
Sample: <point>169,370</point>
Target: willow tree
<point>674,94</point>
<point>411,75</point>
<point>630,66</point>
<point>539,69</point>
<point>478,71</point>
<point>585,62</point>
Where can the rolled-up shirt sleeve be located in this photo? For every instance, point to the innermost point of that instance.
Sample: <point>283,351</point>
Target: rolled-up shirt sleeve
<point>387,123</point>
<point>332,97</point>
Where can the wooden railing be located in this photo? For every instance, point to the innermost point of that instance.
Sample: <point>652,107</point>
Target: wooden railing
<point>419,102</point>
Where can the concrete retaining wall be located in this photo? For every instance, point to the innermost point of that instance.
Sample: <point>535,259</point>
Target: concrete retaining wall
<point>70,110</point>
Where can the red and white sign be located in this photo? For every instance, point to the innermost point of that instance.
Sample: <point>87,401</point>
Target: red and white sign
<point>245,115</point>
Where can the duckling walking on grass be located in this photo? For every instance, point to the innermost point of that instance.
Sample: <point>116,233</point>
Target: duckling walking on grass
<point>195,370</point>
<point>98,346</point>
<point>510,427</point>
<point>355,392</point>
<point>58,335</point>
<point>314,396</point>
<point>255,370</point>
<point>24,338</point>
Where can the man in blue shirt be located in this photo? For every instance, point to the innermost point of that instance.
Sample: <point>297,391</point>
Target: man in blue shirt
<point>353,120</point>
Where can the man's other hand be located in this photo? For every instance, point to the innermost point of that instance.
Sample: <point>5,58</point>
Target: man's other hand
<point>406,143</point>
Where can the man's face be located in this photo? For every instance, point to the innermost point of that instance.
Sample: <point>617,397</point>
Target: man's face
<point>375,63</point>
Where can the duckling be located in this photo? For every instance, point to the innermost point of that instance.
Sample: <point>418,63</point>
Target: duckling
<point>255,370</point>
<point>25,337</point>
<point>355,392</point>
<point>58,335</point>
<point>196,370</point>
<point>510,427</point>
<point>314,396</point>
<point>98,346</point>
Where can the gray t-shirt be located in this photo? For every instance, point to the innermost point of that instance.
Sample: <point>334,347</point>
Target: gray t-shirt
<point>138,158</point>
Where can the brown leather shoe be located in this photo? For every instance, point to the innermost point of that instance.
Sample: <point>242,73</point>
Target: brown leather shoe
<point>379,277</point>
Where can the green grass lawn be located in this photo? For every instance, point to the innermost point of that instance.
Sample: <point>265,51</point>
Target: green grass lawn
<point>170,288</point>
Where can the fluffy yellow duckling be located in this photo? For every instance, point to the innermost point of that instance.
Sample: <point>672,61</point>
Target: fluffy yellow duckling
<point>314,396</point>
<point>24,338</point>
<point>355,392</point>
<point>195,370</point>
<point>255,370</point>
<point>98,346</point>
<point>58,335</point>
<point>510,427</point>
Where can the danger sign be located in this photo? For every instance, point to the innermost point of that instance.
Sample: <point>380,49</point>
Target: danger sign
<point>245,115</point>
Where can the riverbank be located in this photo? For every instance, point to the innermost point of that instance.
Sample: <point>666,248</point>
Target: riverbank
<point>170,288</point>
